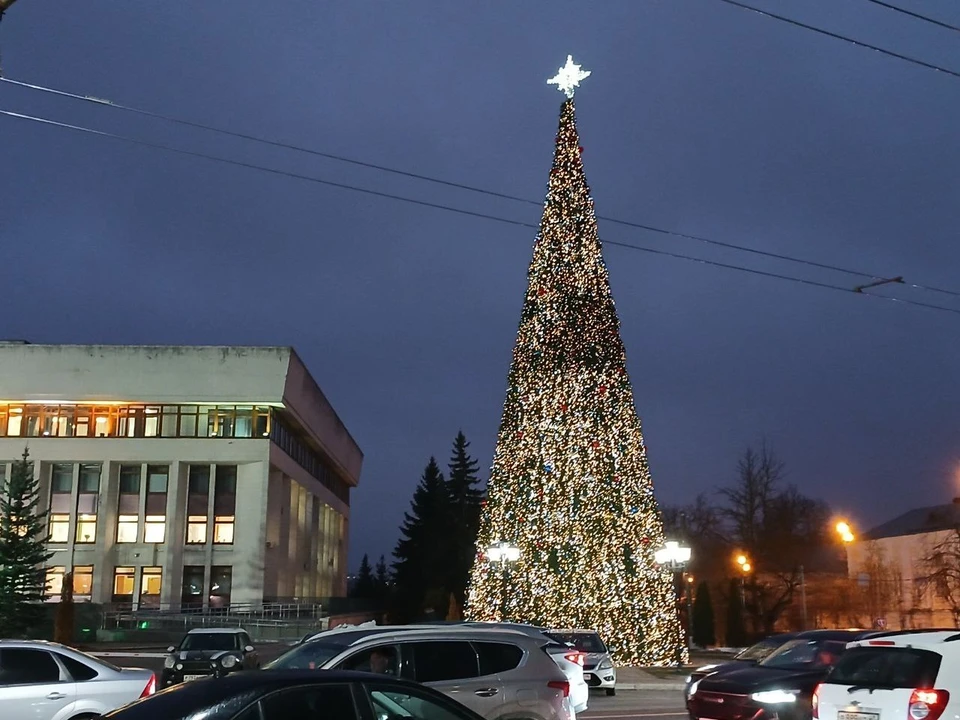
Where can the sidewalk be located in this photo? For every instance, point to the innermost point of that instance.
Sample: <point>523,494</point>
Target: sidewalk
<point>631,678</point>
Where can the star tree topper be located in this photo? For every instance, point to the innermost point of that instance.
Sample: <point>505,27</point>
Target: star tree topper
<point>568,77</point>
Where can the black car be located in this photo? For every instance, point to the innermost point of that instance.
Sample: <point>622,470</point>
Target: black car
<point>748,656</point>
<point>780,687</point>
<point>208,651</point>
<point>296,695</point>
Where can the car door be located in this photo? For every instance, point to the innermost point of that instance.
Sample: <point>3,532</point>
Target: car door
<point>327,700</point>
<point>390,702</point>
<point>32,685</point>
<point>452,667</point>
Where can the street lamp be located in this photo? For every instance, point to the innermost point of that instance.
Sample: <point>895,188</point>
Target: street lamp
<point>675,557</point>
<point>844,531</point>
<point>504,554</point>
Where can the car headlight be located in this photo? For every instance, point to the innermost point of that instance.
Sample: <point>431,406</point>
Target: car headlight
<point>693,688</point>
<point>229,661</point>
<point>775,697</point>
<point>169,661</point>
<point>605,665</point>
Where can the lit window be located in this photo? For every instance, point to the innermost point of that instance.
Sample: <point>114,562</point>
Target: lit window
<point>151,422</point>
<point>83,580</point>
<point>86,528</point>
<point>196,529</point>
<point>128,528</point>
<point>54,581</point>
<point>154,529</point>
<point>223,529</point>
<point>15,421</point>
<point>59,528</point>
<point>123,581</point>
<point>151,579</point>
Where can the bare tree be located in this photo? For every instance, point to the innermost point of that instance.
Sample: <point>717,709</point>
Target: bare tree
<point>939,570</point>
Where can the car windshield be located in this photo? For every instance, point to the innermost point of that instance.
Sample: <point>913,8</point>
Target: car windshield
<point>309,656</point>
<point>211,641</point>
<point>805,654</point>
<point>584,642</point>
<point>759,651</point>
<point>886,667</point>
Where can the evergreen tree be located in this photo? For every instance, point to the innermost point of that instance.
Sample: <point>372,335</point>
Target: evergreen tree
<point>365,586</point>
<point>23,552</point>
<point>382,582</point>
<point>420,572</point>
<point>704,632</point>
<point>570,483</point>
<point>736,632</point>
<point>465,499</point>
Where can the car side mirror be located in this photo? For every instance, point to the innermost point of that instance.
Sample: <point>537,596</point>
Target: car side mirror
<point>248,648</point>
<point>171,649</point>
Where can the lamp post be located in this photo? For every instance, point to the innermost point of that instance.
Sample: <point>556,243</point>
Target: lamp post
<point>675,557</point>
<point>503,554</point>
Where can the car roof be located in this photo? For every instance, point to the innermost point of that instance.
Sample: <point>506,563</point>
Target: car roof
<point>214,631</point>
<point>910,638</point>
<point>572,631</point>
<point>241,687</point>
<point>348,638</point>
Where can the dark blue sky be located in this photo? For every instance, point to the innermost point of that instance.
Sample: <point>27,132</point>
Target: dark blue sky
<point>699,117</point>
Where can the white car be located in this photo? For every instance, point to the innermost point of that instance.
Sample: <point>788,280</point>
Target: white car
<point>47,681</point>
<point>598,668</point>
<point>908,675</point>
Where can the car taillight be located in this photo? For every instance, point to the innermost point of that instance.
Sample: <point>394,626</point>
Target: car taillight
<point>151,687</point>
<point>816,702</point>
<point>575,657</point>
<point>927,704</point>
<point>561,685</point>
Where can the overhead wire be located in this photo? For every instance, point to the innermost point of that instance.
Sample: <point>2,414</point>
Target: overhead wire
<point>448,183</point>
<point>440,206</point>
<point>916,15</point>
<point>845,38</point>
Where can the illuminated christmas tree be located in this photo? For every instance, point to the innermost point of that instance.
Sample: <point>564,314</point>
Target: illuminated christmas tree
<point>570,485</point>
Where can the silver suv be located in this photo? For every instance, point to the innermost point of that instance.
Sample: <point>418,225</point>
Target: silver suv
<point>497,674</point>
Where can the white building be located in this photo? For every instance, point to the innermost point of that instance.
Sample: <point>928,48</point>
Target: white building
<point>180,476</point>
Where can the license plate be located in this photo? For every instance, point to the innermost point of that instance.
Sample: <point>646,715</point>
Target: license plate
<point>842,715</point>
<point>188,678</point>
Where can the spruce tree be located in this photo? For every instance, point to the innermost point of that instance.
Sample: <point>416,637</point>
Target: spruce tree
<point>570,484</point>
<point>365,586</point>
<point>382,582</point>
<point>23,552</point>
<point>420,572</point>
<point>704,632</point>
<point>736,632</point>
<point>465,500</point>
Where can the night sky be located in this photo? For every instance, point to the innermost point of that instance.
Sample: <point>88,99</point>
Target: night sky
<point>699,117</point>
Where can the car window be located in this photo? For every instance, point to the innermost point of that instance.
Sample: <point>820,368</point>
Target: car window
<point>805,654</point>
<point>314,701</point>
<point>211,641</point>
<point>382,659</point>
<point>309,656</point>
<point>584,642</point>
<point>497,657</point>
<point>78,671</point>
<point>759,651</point>
<point>24,666</point>
<point>887,667</point>
<point>436,661</point>
<point>395,704</point>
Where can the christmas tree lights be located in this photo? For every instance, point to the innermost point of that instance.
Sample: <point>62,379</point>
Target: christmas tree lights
<point>570,484</point>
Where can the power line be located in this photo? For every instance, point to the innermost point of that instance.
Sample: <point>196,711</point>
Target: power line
<point>828,33</point>
<point>438,181</point>
<point>912,14</point>
<point>448,208</point>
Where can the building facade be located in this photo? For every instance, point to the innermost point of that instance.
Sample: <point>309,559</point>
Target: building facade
<point>182,476</point>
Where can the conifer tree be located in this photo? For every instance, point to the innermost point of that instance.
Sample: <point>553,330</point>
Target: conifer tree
<point>465,500</point>
<point>420,570</point>
<point>570,484</point>
<point>704,632</point>
<point>23,553</point>
<point>365,586</point>
<point>736,632</point>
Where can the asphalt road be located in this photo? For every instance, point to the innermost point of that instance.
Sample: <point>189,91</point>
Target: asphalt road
<point>626,705</point>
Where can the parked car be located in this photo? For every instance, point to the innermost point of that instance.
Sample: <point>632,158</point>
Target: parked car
<point>209,651</point>
<point>780,687</point>
<point>598,668</point>
<point>748,656</point>
<point>47,681</point>
<point>296,695</point>
<point>913,674</point>
<point>496,673</point>
<point>570,660</point>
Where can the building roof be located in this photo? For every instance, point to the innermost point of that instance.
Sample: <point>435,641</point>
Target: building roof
<point>920,520</point>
